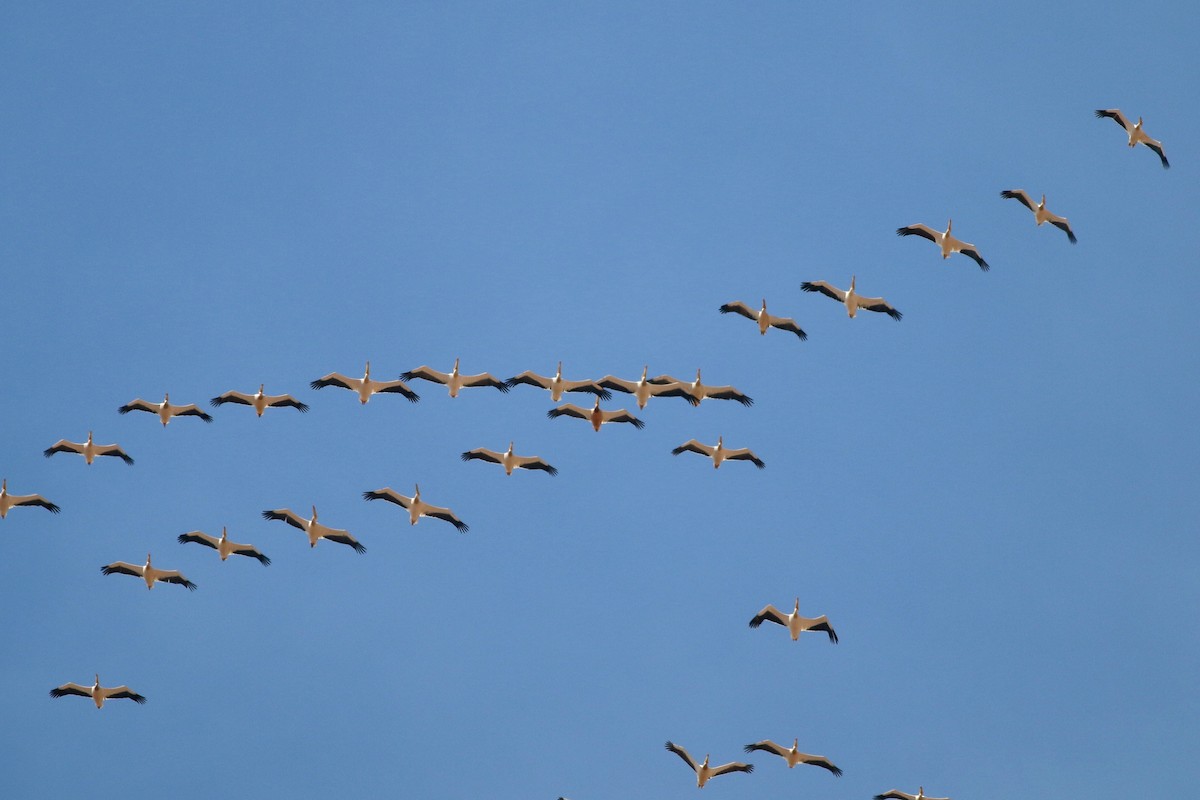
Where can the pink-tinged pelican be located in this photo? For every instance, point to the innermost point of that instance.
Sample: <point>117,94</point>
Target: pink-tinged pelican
<point>224,547</point>
<point>719,452</point>
<point>89,450</point>
<point>508,460</point>
<point>164,409</point>
<point>417,507</point>
<point>1040,214</point>
<point>149,573</point>
<point>643,389</point>
<point>454,381</point>
<point>1136,134</point>
<point>896,794</point>
<point>947,243</point>
<point>793,756</point>
<point>795,623</point>
<point>596,415</point>
<point>698,390</point>
<point>851,299</point>
<point>260,400</point>
<point>98,693</point>
<point>703,771</point>
<point>764,319</point>
<point>8,501</point>
<point>315,530</point>
<point>557,385</point>
<point>365,386</point>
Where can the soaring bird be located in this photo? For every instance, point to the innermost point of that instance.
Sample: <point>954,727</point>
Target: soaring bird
<point>719,453</point>
<point>508,460</point>
<point>851,299</point>
<point>1040,214</point>
<point>795,623</point>
<point>643,389</point>
<point>595,415</point>
<point>793,756</point>
<point>98,693</point>
<point>260,401</point>
<point>703,771</point>
<point>698,390</point>
<point>417,507</point>
<point>454,381</point>
<point>1136,134</point>
<point>314,529</point>
<point>149,573</point>
<point>763,319</point>
<point>164,409</point>
<point>8,501</point>
<point>896,794</point>
<point>224,546</point>
<point>365,387</point>
<point>557,385</point>
<point>89,450</point>
<point>945,241</point>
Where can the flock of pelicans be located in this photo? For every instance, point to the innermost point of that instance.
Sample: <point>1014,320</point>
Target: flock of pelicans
<point>643,389</point>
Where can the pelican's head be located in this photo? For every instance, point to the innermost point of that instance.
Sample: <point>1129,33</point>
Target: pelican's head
<point>456,365</point>
<point>705,764</point>
<point>921,789</point>
<point>764,304</point>
<point>314,513</point>
<point>510,448</point>
<point>147,559</point>
<point>796,744</point>
<point>224,532</point>
<point>89,437</point>
<point>368,369</point>
<point>1043,203</point>
<point>597,402</point>
<point>852,277</point>
<point>697,374</point>
<point>4,485</point>
<point>720,442</point>
<point>166,397</point>
<point>1139,123</point>
<point>262,388</point>
<point>949,225</point>
<point>558,373</point>
<point>645,371</point>
<point>97,678</point>
<point>796,609</point>
<point>416,490</point>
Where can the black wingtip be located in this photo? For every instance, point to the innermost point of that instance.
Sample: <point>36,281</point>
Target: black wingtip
<point>637,423</point>
<point>894,314</point>
<point>315,385</point>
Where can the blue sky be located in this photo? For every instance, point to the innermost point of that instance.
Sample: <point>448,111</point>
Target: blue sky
<point>994,500</point>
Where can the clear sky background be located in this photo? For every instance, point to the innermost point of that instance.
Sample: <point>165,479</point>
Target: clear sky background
<point>994,500</point>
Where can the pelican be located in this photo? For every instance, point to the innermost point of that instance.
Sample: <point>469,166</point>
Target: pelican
<point>164,409</point>
<point>557,385</point>
<point>365,386</point>
<point>793,756</point>
<point>945,241</point>
<point>764,319</point>
<point>899,795</point>
<point>851,299</point>
<point>703,771</point>
<point>1136,134</point>
<point>454,380</point>
<point>98,693</point>
<point>417,507</point>
<point>260,400</point>
<point>643,389</point>
<point>795,623</point>
<point>508,460</point>
<point>223,546</point>
<point>8,501</point>
<point>699,391</point>
<point>89,450</point>
<point>596,415</point>
<point>719,453</point>
<point>1040,214</point>
<point>148,573</point>
<point>314,529</point>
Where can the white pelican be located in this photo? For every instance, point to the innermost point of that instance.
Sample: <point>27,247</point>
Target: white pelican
<point>98,693</point>
<point>148,573</point>
<point>596,415</point>
<point>8,501</point>
<point>164,409</point>
<point>557,385</point>
<point>795,623</point>
<point>945,241</point>
<point>417,507</point>
<point>851,299</point>
<point>703,771</point>
<point>793,756</point>
<point>365,387</point>
<point>89,450</point>
<point>224,546</point>
<point>314,529</point>
<point>508,460</point>
<point>1136,134</point>
<point>764,319</point>
<point>643,389</point>
<point>899,795</point>
<point>699,391</point>
<point>454,380</point>
<point>1040,214</point>
<point>719,453</point>
<point>260,400</point>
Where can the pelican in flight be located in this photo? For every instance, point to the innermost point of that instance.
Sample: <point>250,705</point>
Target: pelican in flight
<point>1040,214</point>
<point>260,400</point>
<point>8,501</point>
<point>364,386</point>
<point>1136,134</point>
<point>643,389</point>
<point>703,771</point>
<point>224,546</point>
<point>851,299</point>
<point>314,529</point>
<point>557,385</point>
<point>596,415</point>
<point>89,450</point>
<point>764,319</point>
<point>795,623</point>
<point>454,380</point>
<point>698,391</point>
<point>896,794</point>
<point>98,693</point>
<point>793,756</point>
<point>417,507</point>
<point>945,241</point>
<point>148,573</point>
<point>508,460</point>
<point>719,452</point>
<point>164,409</point>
